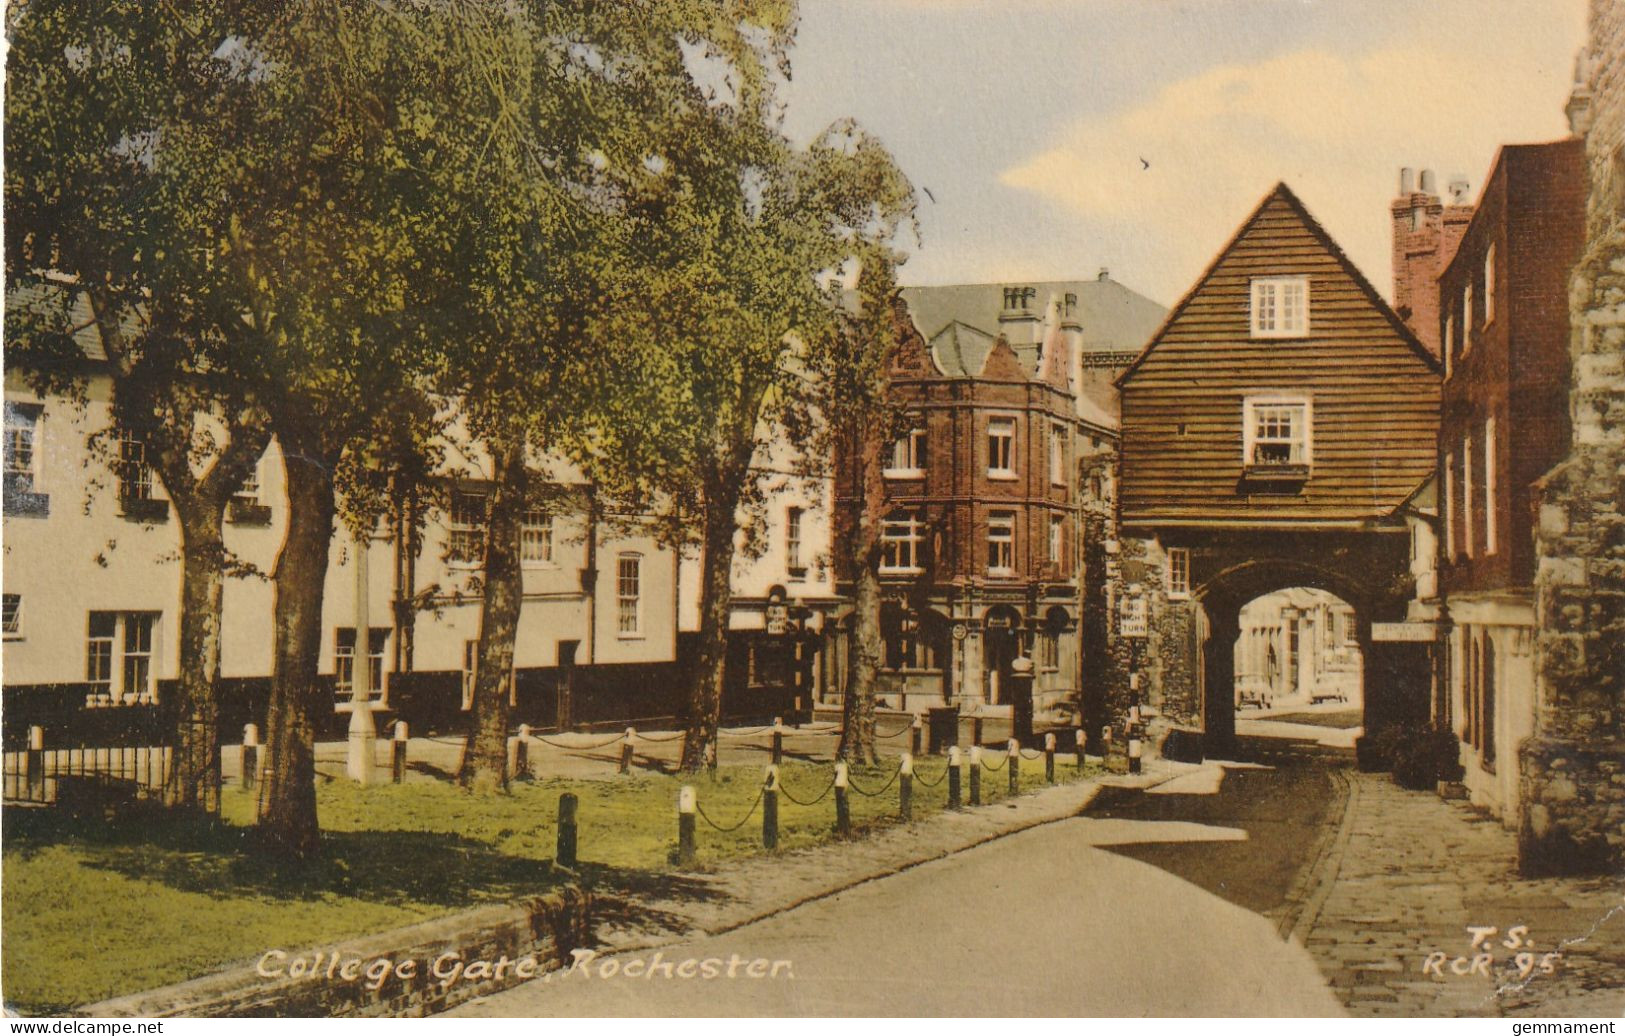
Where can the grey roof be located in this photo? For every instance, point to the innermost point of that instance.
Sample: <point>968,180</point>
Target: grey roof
<point>1115,319</point>
<point>960,350</point>
<point>44,301</point>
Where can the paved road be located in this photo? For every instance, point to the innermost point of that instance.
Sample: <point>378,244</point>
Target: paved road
<point>1110,914</point>
<point>1288,806</point>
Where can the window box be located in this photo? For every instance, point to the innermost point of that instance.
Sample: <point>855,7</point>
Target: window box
<point>21,500</point>
<point>1277,441</point>
<point>144,509</point>
<point>1275,475</point>
<point>248,513</point>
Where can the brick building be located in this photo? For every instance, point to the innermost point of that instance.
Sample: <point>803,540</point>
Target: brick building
<point>1502,305</point>
<point>1425,234</point>
<point>1572,780</point>
<point>984,537</point>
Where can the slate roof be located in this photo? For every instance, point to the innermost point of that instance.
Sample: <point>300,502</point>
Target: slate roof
<point>960,350</point>
<point>45,300</point>
<point>1115,319</point>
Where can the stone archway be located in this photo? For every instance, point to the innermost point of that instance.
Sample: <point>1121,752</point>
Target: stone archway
<point>1221,599</point>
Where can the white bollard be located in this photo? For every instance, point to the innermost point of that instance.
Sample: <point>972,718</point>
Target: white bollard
<point>905,765</point>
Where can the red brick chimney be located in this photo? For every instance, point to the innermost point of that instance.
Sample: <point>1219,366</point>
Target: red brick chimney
<point>1426,233</point>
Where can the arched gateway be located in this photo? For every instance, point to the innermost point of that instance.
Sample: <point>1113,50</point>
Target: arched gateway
<point>1275,433</point>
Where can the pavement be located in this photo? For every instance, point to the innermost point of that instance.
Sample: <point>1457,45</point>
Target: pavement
<point>1408,876</point>
<point>1041,921</point>
<point>1290,884</point>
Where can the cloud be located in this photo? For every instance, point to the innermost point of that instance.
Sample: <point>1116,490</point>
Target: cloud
<point>1335,127</point>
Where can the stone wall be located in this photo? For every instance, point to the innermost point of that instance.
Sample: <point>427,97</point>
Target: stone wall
<point>1573,767</point>
<point>429,968</point>
<point>1165,657</point>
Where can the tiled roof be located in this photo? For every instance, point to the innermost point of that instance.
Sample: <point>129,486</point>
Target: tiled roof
<point>960,350</point>
<point>44,300</point>
<point>1114,318</point>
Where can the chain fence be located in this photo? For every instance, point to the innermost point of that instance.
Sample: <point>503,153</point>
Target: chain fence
<point>785,791</point>
<point>731,828</point>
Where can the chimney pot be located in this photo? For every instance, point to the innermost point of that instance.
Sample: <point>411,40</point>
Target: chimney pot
<point>1407,182</point>
<point>1427,181</point>
<point>1459,189</point>
<point>1104,275</point>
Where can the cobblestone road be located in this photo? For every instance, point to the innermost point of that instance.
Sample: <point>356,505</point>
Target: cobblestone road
<point>1405,878</point>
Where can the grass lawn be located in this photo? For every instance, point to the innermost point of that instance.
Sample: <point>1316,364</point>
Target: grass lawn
<point>98,910</point>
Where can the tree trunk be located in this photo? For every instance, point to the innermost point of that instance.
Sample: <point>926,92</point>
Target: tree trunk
<point>299,700</point>
<point>194,782</point>
<point>863,546</point>
<point>485,760</point>
<point>716,597</point>
<point>864,651</point>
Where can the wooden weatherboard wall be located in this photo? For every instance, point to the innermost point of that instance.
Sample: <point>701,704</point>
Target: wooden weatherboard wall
<point>1373,390</point>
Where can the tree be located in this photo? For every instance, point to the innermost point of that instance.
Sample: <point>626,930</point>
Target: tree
<point>741,255</point>
<point>96,210</point>
<point>329,114</point>
<point>850,414</point>
<point>540,147</point>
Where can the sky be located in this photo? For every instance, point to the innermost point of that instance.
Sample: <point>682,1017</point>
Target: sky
<point>1058,137</point>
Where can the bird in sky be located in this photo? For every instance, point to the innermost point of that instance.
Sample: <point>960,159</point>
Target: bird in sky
<point>1144,164</point>
<point>928,193</point>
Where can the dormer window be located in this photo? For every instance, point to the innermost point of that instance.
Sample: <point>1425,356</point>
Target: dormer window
<point>1280,307</point>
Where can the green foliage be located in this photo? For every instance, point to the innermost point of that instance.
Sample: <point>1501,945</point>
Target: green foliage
<point>97,913</point>
<point>1420,755</point>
